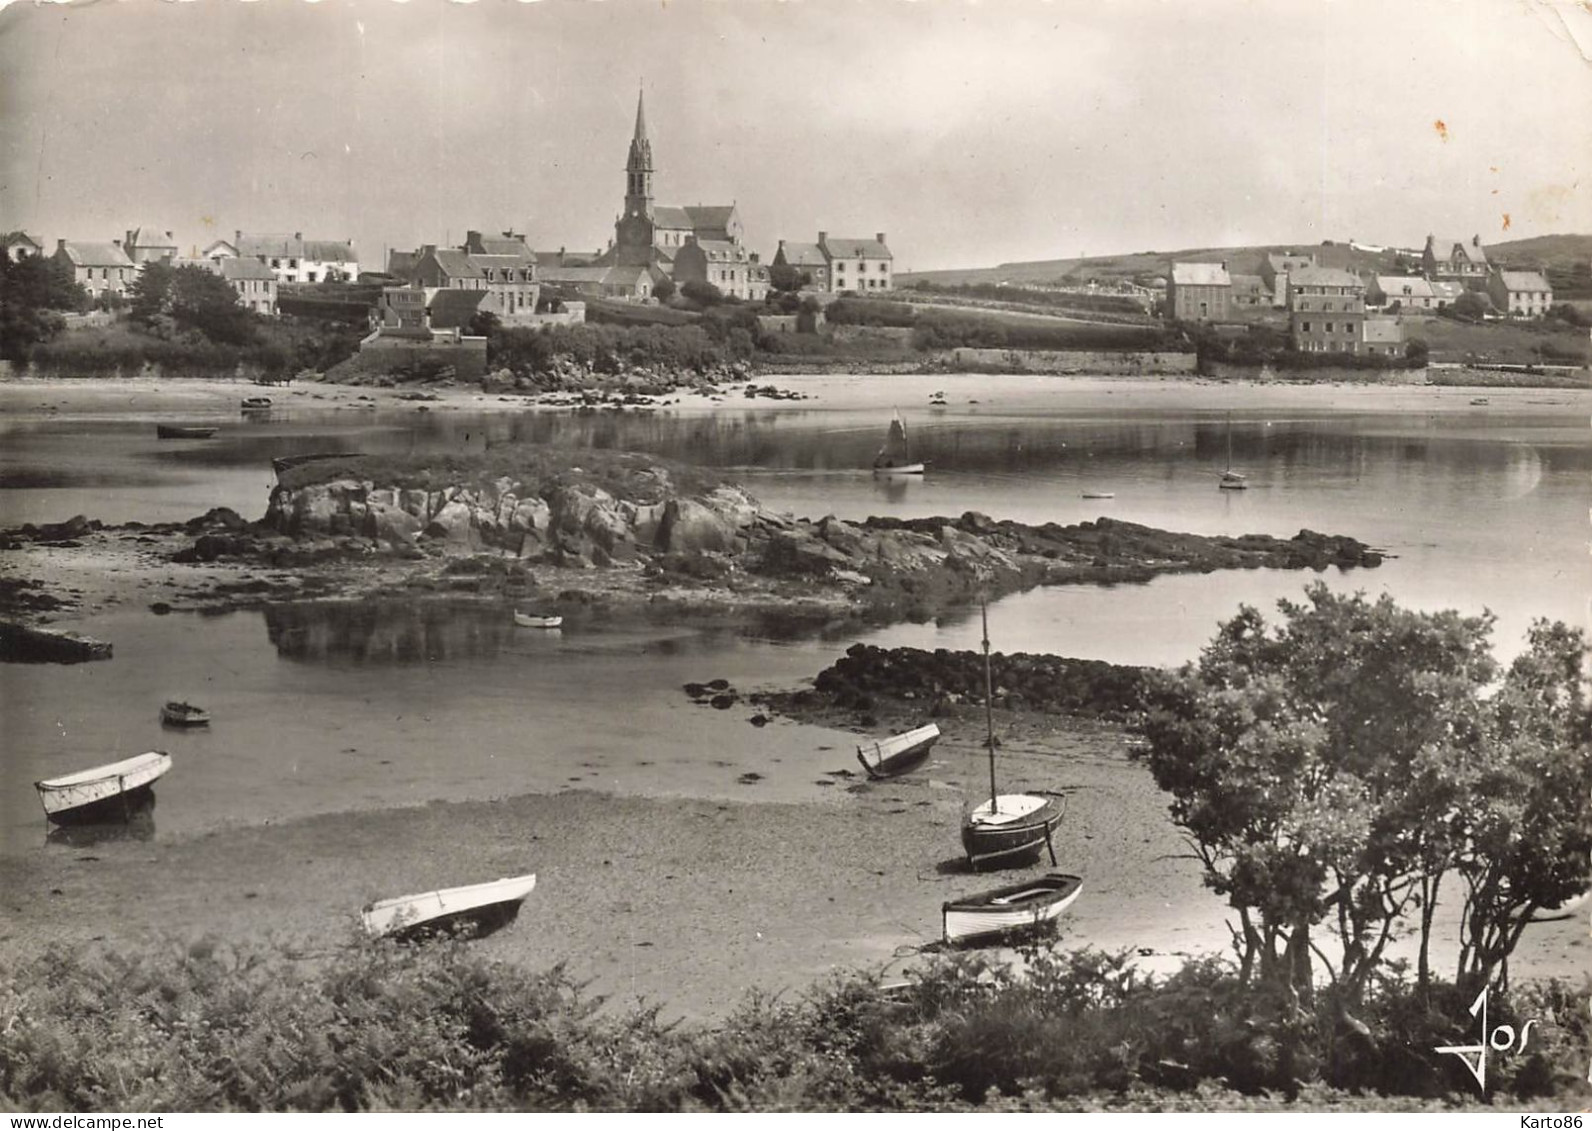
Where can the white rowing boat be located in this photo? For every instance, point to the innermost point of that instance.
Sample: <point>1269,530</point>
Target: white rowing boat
<point>490,904</point>
<point>898,753</point>
<point>1007,911</point>
<point>102,792</point>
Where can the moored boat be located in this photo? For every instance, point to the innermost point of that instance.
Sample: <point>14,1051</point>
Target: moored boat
<point>898,753</point>
<point>895,458</point>
<point>1231,480</point>
<point>184,431</point>
<point>525,620</point>
<point>104,792</point>
<point>488,906</point>
<point>255,404</point>
<point>179,714</point>
<point>1009,911</point>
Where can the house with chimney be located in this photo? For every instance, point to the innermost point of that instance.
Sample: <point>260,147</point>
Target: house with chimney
<point>1520,294</point>
<point>1326,310</point>
<point>295,259</point>
<point>1198,292</point>
<point>99,268</point>
<point>1456,260</point>
<point>502,267</point>
<point>252,281</point>
<point>726,265</point>
<point>149,244</point>
<point>1408,292</point>
<point>1274,273</point>
<point>841,263</point>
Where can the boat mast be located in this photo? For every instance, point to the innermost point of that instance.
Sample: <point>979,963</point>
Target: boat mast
<point>1229,441</point>
<point>989,711</point>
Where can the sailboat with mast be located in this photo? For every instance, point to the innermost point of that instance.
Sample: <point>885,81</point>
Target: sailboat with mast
<point>1010,829</point>
<point>1231,480</point>
<point>895,458</point>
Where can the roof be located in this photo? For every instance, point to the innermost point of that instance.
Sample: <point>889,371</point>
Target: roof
<point>1443,247</point>
<point>1200,275</point>
<point>235,270</point>
<point>498,245</point>
<point>564,258</point>
<point>1248,283</point>
<point>1287,261</point>
<point>1324,277</point>
<point>695,217</point>
<point>296,247</point>
<point>574,274</point>
<point>1404,286</point>
<point>803,255</point>
<point>846,248</point>
<point>12,239</point>
<point>456,264</point>
<point>401,263</point>
<point>1447,288</point>
<point>83,253</point>
<point>1523,281</point>
<point>452,307</point>
<point>718,251</point>
<point>219,246</point>
<point>150,236</point>
<point>502,262</point>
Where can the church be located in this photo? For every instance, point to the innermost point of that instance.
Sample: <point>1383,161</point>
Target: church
<point>701,242</point>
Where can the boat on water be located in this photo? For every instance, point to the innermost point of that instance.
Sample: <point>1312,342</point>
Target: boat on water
<point>179,714</point>
<point>525,620</point>
<point>895,458</point>
<point>184,431</point>
<point>1478,400</point>
<point>104,792</point>
<point>1231,480</point>
<point>1009,830</point>
<point>487,906</point>
<point>1099,494</point>
<point>255,404</point>
<point>898,753</point>
<point>1008,912</point>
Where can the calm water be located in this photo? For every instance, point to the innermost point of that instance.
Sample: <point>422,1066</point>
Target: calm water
<point>325,710</point>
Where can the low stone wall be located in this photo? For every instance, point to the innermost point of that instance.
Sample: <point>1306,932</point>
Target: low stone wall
<point>1331,375</point>
<point>380,355</point>
<point>897,335</point>
<point>1074,361</point>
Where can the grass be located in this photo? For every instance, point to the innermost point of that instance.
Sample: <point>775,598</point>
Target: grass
<point>1508,342</point>
<point>377,1026</point>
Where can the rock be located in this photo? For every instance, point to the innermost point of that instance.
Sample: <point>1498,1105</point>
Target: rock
<point>688,526</point>
<point>454,523</point>
<point>390,524</point>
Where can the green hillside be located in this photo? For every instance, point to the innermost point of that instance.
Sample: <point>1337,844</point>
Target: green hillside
<point>1567,258</point>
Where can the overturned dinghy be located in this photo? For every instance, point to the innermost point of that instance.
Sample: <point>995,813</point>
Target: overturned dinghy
<point>487,907</point>
<point>898,753</point>
<point>1009,912</point>
<point>110,792</point>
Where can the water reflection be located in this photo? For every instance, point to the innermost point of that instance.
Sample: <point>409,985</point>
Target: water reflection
<point>385,632</point>
<point>135,821</point>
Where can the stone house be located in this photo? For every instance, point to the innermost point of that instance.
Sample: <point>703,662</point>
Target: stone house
<point>148,244</point>
<point>807,258</point>
<point>1250,291</point>
<point>507,273</point>
<point>1520,294</point>
<point>1326,310</point>
<point>1199,292</point>
<point>1411,292</point>
<point>629,283</point>
<point>19,246</point>
<point>252,281</point>
<point>99,268</point>
<point>1382,335</point>
<point>1274,271</point>
<point>726,265</point>
<point>1455,260</point>
<point>295,259</point>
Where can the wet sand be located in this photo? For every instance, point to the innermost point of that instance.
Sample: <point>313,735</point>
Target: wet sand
<point>685,904</point>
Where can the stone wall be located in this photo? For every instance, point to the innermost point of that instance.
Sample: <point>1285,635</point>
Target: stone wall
<point>1324,376</point>
<point>378,355</point>
<point>1074,361</point>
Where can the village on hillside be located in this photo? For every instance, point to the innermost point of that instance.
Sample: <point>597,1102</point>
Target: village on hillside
<point>1352,303</point>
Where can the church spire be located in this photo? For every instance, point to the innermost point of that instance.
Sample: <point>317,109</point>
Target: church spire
<point>638,170</point>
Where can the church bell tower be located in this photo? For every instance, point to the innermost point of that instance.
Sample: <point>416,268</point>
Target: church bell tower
<point>638,170</point>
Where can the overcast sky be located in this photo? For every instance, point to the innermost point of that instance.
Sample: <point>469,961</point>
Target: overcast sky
<point>972,134</point>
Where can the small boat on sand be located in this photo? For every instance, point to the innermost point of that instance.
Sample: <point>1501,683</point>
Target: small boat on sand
<point>1099,494</point>
<point>178,714</point>
<point>1007,912</point>
<point>898,753</point>
<point>525,620</point>
<point>895,458</point>
<point>104,792</point>
<point>255,404</point>
<point>488,906</point>
<point>184,431</point>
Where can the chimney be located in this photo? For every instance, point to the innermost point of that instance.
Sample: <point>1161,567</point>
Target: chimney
<point>298,235</point>
<point>60,244</point>
<point>879,236</point>
<point>822,236</point>
<point>237,235</point>
<point>472,238</point>
<point>781,245</point>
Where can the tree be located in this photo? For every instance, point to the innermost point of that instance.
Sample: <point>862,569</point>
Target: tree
<point>192,298</point>
<point>784,277</point>
<point>484,324</point>
<point>32,290</point>
<point>1471,306</point>
<point>1416,352</point>
<point>663,289</point>
<point>703,294</point>
<point>1318,769</point>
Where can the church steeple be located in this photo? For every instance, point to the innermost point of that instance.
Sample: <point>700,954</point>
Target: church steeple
<point>638,170</point>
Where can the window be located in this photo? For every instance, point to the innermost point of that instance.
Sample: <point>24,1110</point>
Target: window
<point>1304,327</point>
<point>1329,327</point>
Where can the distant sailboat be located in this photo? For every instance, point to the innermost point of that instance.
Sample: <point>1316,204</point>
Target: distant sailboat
<point>895,457</point>
<point>1231,480</point>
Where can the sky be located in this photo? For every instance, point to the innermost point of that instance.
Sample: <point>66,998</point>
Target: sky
<point>972,134</point>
